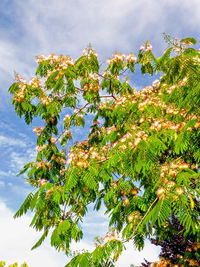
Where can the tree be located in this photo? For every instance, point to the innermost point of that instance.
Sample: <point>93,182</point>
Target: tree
<point>141,157</point>
<point>176,249</point>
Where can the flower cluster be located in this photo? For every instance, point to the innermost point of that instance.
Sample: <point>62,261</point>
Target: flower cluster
<point>120,101</point>
<point>49,192</point>
<point>131,58</point>
<point>40,148</point>
<point>41,164</point>
<point>111,129</point>
<point>161,191</point>
<point>134,217</point>
<point>160,124</point>
<point>116,57</point>
<point>36,82</point>
<point>81,153</point>
<point>94,87</point>
<point>62,61</point>
<point>42,181</point>
<point>40,59</point>
<point>65,62</point>
<point>51,58</point>
<point>93,84</point>
<point>53,139</point>
<point>109,237</point>
<point>156,83</point>
<point>19,96</point>
<point>61,160</point>
<point>37,130</point>
<point>89,51</point>
<point>68,134</point>
<point>20,79</point>
<point>106,104</point>
<point>78,157</point>
<point>119,57</point>
<point>157,101</point>
<point>147,47</point>
<point>45,100</point>
<point>178,85</point>
<point>66,118</point>
<point>131,139</point>
<point>168,175</point>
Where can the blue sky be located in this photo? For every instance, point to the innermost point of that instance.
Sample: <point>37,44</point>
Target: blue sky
<point>29,28</point>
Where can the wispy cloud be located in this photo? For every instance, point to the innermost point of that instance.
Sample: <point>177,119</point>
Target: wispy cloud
<point>6,141</point>
<point>113,24</point>
<point>4,174</point>
<point>19,159</point>
<point>68,26</point>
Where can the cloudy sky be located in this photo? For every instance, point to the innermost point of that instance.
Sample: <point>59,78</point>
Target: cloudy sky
<point>32,27</point>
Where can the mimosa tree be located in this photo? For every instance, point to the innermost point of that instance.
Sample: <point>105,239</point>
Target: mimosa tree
<point>140,159</point>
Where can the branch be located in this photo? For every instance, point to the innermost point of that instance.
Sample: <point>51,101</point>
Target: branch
<point>79,89</point>
<point>141,221</point>
<point>121,73</point>
<point>103,76</point>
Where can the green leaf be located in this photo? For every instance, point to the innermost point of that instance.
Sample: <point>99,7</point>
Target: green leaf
<point>39,242</point>
<point>189,39</point>
<point>25,206</point>
<point>26,167</point>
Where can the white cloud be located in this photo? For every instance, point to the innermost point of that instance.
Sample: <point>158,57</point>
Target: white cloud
<point>132,256</point>
<point>19,159</point>
<point>8,53</point>
<point>68,26</point>
<point>19,190</point>
<point>17,238</point>
<point>9,141</point>
<point>4,174</point>
<point>106,24</point>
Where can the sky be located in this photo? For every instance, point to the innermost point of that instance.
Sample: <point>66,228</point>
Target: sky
<point>32,27</point>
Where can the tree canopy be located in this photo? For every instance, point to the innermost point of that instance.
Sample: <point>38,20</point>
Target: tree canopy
<point>140,159</point>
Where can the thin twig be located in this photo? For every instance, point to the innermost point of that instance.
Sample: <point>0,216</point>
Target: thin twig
<point>141,221</point>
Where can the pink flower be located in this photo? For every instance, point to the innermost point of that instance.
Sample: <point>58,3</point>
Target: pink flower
<point>40,148</point>
<point>114,144</point>
<point>131,58</point>
<point>70,157</point>
<point>40,58</point>
<point>68,133</point>
<point>156,83</point>
<point>106,238</point>
<point>136,142</point>
<point>142,47</point>
<point>42,181</point>
<point>53,140</point>
<point>149,47</point>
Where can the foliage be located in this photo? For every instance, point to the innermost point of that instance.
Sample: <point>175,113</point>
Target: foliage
<point>3,264</point>
<point>141,157</point>
<point>176,249</point>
